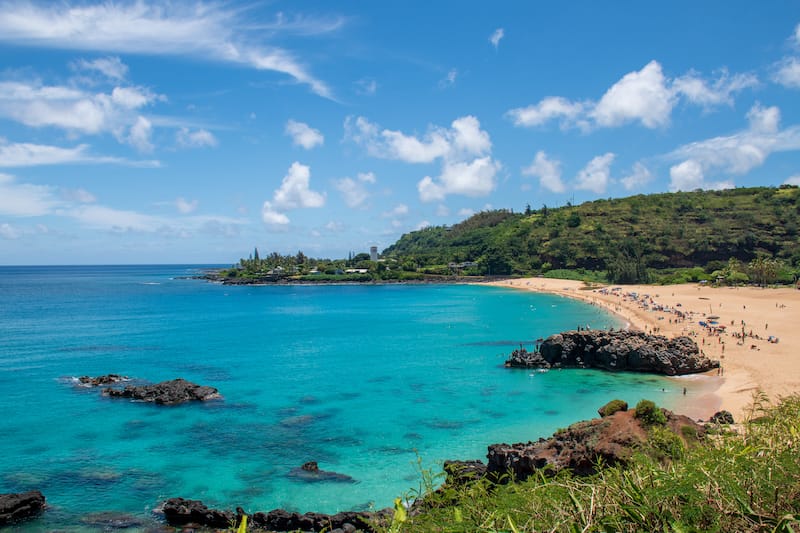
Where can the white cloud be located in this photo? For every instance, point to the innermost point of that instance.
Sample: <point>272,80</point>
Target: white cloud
<point>689,175</point>
<point>699,91</point>
<point>293,193</point>
<point>466,212</point>
<point>78,195</point>
<point>111,67</point>
<point>334,226</point>
<point>366,87</point>
<point>787,73</point>
<point>71,109</point>
<point>793,180</point>
<point>743,151</point>
<point>464,151</point>
<point>450,79</point>
<point>24,199</point>
<point>354,192</point>
<point>422,225</point>
<point>764,119</point>
<point>303,135</point>
<point>640,175</point>
<point>272,217</point>
<point>367,177</point>
<point>641,96</point>
<point>596,174</point>
<point>399,210</point>
<point>7,231</point>
<point>495,38</point>
<point>468,178</point>
<point>26,154</point>
<point>686,176</point>
<point>139,135</point>
<point>552,107</point>
<point>204,31</point>
<point>185,206</point>
<point>442,211</point>
<point>388,144</point>
<point>645,96</point>
<point>547,170</point>
<point>195,139</point>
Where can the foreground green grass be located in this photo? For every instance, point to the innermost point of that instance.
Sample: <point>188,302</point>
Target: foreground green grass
<point>735,482</point>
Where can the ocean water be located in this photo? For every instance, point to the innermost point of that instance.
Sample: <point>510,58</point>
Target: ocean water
<point>373,382</point>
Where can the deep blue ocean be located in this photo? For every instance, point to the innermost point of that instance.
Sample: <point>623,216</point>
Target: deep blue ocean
<point>373,382</point>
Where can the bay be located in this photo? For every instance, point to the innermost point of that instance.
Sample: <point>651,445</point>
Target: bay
<point>371,381</point>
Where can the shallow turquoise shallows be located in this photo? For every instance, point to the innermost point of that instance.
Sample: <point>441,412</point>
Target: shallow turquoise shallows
<point>368,381</point>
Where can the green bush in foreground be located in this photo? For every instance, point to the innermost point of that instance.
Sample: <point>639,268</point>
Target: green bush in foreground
<point>736,482</point>
<point>650,414</point>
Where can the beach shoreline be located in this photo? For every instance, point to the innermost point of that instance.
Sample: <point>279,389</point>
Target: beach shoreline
<point>750,363</point>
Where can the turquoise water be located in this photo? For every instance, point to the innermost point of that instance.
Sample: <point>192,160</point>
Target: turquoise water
<point>365,380</point>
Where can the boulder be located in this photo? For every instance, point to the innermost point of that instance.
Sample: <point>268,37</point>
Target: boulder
<point>16,507</point>
<point>622,350</point>
<point>311,473</point>
<point>722,417</point>
<point>180,512</point>
<point>108,379</point>
<point>166,393</point>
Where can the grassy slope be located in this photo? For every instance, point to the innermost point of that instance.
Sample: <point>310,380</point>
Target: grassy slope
<point>735,482</point>
<point>670,230</point>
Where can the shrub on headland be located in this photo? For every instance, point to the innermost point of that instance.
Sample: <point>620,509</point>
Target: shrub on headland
<point>745,481</point>
<point>650,414</point>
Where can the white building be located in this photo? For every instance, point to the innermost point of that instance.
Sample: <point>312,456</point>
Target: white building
<point>373,253</point>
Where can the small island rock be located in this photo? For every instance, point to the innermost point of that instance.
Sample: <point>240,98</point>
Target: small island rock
<point>311,472</point>
<point>108,379</point>
<point>623,350</point>
<point>166,393</point>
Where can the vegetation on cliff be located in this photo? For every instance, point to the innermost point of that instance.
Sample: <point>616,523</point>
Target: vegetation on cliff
<point>735,235</point>
<point>748,480</point>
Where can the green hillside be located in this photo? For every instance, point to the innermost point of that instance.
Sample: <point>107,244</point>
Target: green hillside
<point>624,238</point>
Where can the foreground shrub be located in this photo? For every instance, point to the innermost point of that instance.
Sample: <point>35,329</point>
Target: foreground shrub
<point>650,414</point>
<point>612,407</point>
<point>736,482</point>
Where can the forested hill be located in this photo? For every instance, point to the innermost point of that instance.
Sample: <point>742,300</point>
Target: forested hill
<point>684,229</point>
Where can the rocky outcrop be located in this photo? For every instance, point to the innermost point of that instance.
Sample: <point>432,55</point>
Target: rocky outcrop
<point>311,472</point>
<point>108,379</point>
<point>610,440</point>
<point>721,417</point>
<point>179,513</point>
<point>633,351</point>
<point>166,393</point>
<point>16,507</point>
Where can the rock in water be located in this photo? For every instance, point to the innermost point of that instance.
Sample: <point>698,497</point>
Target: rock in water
<point>166,393</point>
<point>108,379</point>
<point>311,472</point>
<point>633,351</point>
<point>16,507</point>
<point>180,512</point>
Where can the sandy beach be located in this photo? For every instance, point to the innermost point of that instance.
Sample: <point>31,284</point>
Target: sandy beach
<point>754,362</point>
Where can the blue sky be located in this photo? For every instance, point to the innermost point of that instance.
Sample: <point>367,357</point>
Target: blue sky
<point>190,132</point>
